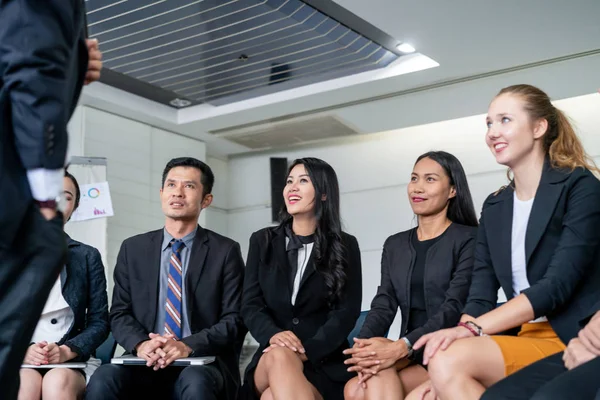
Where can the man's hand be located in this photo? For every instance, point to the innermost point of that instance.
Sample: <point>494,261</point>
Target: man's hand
<point>36,355</point>
<point>173,350</point>
<point>48,213</point>
<point>94,61</point>
<point>576,354</point>
<point>150,350</point>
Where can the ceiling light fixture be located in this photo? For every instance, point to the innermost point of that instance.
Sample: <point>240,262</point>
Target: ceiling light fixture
<point>179,103</point>
<point>405,48</point>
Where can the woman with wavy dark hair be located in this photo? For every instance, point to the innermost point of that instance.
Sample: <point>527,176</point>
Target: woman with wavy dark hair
<point>426,271</point>
<point>302,292</point>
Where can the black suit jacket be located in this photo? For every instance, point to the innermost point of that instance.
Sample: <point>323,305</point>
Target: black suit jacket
<point>561,250</point>
<point>43,61</point>
<point>267,307</point>
<point>213,285</point>
<point>447,279</point>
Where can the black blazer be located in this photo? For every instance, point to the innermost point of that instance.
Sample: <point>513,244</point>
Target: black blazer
<point>43,61</point>
<point>561,250</point>
<point>84,290</point>
<point>267,307</point>
<point>447,279</point>
<point>213,284</point>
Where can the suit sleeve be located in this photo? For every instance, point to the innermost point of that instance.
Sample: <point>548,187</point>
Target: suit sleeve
<point>385,303</point>
<point>483,293</point>
<point>572,259</point>
<point>595,309</point>
<point>225,333</point>
<point>128,332</point>
<point>342,319</point>
<point>96,329</point>
<point>449,313</point>
<point>256,316</point>
<point>36,47</point>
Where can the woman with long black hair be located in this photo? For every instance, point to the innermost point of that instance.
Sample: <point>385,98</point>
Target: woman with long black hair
<point>302,292</point>
<point>426,271</point>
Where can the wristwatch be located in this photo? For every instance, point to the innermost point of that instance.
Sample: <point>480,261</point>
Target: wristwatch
<point>408,345</point>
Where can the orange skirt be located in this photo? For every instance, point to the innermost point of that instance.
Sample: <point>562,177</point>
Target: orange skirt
<point>534,342</point>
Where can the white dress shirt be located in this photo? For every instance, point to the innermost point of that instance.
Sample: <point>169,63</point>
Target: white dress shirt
<point>45,184</point>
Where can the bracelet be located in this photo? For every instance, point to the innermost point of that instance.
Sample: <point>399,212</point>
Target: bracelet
<point>467,326</point>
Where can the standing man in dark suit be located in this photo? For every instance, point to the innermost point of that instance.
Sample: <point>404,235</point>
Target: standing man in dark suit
<point>177,294</point>
<point>43,64</point>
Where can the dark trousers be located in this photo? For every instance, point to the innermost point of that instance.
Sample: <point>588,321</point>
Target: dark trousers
<point>28,269</point>
<point>548,379</point>
<point>203,382</point>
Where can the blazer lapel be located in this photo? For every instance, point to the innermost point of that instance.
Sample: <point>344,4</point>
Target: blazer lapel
<point>152,271</point>
<point>499,214</point>
<point>309,271</point>
<point>279,260</point>
<point>195,267</point>
<point>546,198</point>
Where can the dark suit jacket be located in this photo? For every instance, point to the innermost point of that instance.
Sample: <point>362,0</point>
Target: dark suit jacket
<point>267,307</point>
<point>561,250</point>
<point>43,61</point>
<point>213,285</point>
<point>84,290</point>
<point>447,279</point>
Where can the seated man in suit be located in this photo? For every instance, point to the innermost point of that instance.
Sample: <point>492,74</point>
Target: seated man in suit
<point>177,294</point>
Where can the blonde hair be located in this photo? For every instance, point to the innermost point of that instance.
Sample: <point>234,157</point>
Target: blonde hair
<point>560,141</point>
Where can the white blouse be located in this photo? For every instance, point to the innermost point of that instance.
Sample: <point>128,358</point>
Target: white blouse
<point>57,317</point>
<point>303,257</point>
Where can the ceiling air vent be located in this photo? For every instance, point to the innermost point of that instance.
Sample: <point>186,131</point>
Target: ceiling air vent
<point>272,135</point>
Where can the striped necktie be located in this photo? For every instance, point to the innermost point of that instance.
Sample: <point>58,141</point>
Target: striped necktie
<point>173,304</point>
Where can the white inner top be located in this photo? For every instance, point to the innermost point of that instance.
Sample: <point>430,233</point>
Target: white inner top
<point>521,213</point>
<point>57,317</point>
<point>303,257</point>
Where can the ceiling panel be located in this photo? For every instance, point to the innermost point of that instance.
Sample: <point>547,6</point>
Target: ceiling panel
<point>219,51</point>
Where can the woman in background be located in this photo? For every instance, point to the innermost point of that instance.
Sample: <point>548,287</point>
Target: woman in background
<point>302,292</point>
<point>74,321</point>
<point>537,239</point>
<point>426,271</point>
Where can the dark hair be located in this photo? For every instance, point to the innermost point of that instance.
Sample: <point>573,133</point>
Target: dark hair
<point>329,249</point>
<point>77,190</point>
<point>207,177</point>
<point>561,143</point>
<point>460,207</point>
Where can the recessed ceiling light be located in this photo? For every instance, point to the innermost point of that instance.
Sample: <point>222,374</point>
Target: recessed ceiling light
<point>405,48</point>
<point>179,103</point>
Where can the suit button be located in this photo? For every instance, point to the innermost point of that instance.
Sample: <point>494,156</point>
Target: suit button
<point>295,321</point>
<point>53,321</point>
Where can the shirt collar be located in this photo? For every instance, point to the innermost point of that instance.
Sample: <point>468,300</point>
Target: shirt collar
<point>188,239</point>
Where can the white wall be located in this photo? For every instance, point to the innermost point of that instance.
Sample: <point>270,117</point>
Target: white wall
<point>136,155</point>
<point>216,214</point>
<point>373,172</point>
